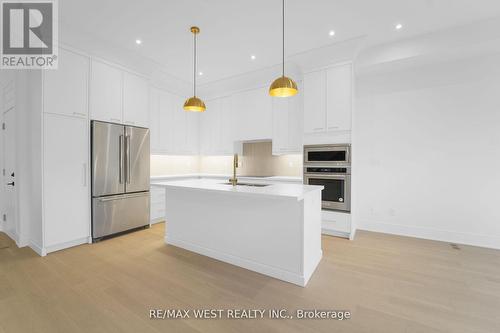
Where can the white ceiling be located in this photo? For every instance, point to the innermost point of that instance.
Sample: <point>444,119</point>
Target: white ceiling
<point>232,30</point>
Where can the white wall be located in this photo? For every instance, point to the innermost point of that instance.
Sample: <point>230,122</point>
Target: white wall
<point>426,144</point>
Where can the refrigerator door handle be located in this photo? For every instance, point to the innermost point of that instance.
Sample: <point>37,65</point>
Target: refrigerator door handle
<point>127,143</point>
<point>123,196</point>
<point>120,149</point>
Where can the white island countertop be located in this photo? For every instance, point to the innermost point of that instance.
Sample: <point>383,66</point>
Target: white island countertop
<point>297,191</point>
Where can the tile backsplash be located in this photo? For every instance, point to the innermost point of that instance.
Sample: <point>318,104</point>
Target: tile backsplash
<point>257,160</point>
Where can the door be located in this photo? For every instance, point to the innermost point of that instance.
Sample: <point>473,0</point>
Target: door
<point>108,169</point>
<point>9,181</point>
<point>106,92</point>
<point>137,159</point>
<point>65,90</point>
<point>65,180</point>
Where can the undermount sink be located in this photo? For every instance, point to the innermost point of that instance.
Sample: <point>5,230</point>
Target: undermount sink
<point>247,184</point>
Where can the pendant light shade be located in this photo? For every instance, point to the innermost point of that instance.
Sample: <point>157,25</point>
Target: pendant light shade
<point>194,104</point>
<point>283,86</point>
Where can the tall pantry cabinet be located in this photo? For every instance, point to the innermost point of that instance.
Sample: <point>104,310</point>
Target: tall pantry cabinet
<point>65,153</point>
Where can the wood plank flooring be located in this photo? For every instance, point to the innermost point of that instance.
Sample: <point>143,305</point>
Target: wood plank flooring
<point>389,283</point>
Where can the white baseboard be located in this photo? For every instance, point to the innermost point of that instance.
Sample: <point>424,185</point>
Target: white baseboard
<point>240,262</point>
<point>157,220</point>
<point>65,245</point>
<point>12,235</point>
<point>38,249</point>
<point>432,234</point>
<point>336,233</point>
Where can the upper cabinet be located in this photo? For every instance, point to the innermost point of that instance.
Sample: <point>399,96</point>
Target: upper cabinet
<point>66,89</point>
<point>287,129</point>
<point>217,128</point>
<point>315,102</point>
<point>106,92</point>
<point>253,114</point>
<point>339,98</point>
<point>328,99</point>
<point>118,96</point>
<point>173,130</point>
<point>154,116</point>
<point>135,100</point>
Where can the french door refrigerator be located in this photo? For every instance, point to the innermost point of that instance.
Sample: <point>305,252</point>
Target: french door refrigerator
<point>120,178</point>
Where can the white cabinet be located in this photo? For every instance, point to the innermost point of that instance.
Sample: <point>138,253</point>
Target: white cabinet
<point>253,113</point>
<point>209,127</point>
<point>154,116</point>
<point>217,128</point>
<point>135,100</point>
<point>328,99</point>
<point>339,98</point>
<point>66,193</point>
<point>157,204</point>
<point>173,130</point>
<point>315,102</point>
<point>287,129</point>
<point>106,92</point>
<point>226,127</point>
<point>65,90</point>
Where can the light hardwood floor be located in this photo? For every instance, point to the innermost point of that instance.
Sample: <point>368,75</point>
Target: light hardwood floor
<point>389,283</point>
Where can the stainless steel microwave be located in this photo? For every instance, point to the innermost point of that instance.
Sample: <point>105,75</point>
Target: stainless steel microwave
<point>337,154</point>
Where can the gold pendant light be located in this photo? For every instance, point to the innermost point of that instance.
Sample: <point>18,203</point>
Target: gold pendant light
<point>194,104</point>
<point>283,86</point>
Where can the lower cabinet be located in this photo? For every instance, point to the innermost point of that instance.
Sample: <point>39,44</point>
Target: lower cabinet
<point>66,195</point>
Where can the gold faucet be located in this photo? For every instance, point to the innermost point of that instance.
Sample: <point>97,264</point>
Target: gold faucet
<point>234,180</point>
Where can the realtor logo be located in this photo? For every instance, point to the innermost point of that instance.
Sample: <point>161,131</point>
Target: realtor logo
<point>29,34</point>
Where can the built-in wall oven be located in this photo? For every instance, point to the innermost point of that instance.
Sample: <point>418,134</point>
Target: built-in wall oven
<point>330,166</point>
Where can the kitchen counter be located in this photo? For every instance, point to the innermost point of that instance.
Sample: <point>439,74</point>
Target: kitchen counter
<point>296,191</point>
<point>273,230</point>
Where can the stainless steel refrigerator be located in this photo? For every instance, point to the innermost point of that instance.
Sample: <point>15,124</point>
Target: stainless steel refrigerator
<point>120,178</point>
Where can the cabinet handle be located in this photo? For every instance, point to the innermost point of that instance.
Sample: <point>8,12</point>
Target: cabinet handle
<point>115,120</point>
<point>317,128</point>
<point>332,127</point>
<point>79,114</point>
<point>130,122</point>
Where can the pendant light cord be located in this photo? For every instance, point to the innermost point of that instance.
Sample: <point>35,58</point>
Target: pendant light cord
<point>194,61</point>
<point>283,31</point>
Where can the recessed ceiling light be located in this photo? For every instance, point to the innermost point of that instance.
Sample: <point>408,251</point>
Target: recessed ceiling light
<point>200,73</point>
<point>138,41</point>
<point>398,26</point>
<point>331,33</point>
<point>252,57</point>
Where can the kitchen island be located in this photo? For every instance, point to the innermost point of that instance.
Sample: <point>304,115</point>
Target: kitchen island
<point>273,229</point>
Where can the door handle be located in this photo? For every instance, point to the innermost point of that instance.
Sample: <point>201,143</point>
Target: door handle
<point>11,184</point>
<point>127,143</point>
<point>120,149</point>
